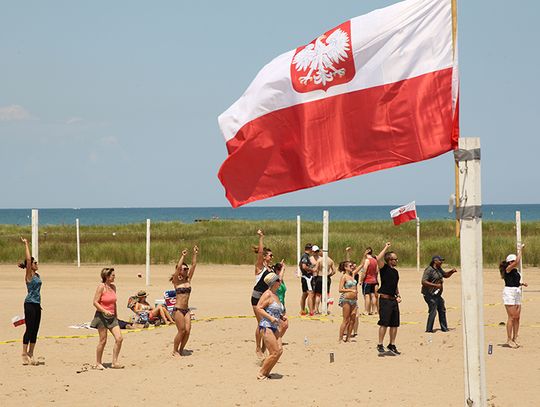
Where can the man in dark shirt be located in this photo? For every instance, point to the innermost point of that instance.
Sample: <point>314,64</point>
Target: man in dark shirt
<point>432,288</point>
<point>389,299</point>
<point>306,268</point>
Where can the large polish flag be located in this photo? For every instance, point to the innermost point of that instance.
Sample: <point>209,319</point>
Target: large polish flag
<point>375,92</point>
<point>404,213</point>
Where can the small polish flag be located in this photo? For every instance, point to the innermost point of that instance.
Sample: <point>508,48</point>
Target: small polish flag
<point>17,320</point>
<point>404,213</point>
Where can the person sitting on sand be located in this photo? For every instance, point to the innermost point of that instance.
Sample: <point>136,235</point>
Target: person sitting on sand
<point>270,311</point>
<point>146,313</point>
<point>105,318</point>
<point>181,280</point>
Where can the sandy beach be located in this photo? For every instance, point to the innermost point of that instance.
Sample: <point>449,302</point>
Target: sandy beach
<point>222,367</point>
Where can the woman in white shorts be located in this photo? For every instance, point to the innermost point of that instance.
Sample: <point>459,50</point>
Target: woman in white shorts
<point>512,295</point>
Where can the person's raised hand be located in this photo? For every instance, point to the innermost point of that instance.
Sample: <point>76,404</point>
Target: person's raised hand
<point>184,252</point>
<point>260,233</point>
<point>195,249</point>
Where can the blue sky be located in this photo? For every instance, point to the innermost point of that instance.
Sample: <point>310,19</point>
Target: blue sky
<point>110,104</point>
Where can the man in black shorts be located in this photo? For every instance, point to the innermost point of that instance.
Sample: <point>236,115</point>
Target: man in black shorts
<point>389,300</point>
<point>306,268</point>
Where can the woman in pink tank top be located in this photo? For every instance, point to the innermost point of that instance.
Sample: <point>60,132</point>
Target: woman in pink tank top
<point>369,280</point>
<point>105,318</point>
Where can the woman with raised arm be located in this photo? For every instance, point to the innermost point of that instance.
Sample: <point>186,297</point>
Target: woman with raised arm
<point>271,316</point>
<point>348,299</point>
<point>370,280</point>
<point>32,305</point>
<point>105,318</point>
<point>512,295</point>
<point>263,266</point>
<point>181,280</point>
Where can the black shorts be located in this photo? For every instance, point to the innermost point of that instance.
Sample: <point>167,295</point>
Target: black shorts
<point>368,288</point>
<point>388,312</point>
<point>317,283</point>
<point>307,283</point>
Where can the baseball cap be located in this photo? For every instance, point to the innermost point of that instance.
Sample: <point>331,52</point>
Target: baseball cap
<point>315,248</point>
<point>510,258</point>
<point>439,258</point>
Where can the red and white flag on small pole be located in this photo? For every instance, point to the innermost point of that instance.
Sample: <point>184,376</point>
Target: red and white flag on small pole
<point>404,213</point>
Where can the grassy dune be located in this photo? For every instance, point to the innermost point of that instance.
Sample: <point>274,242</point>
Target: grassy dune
<point>230,241</point>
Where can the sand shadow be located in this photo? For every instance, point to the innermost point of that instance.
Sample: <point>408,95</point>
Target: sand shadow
<point>275,376</point>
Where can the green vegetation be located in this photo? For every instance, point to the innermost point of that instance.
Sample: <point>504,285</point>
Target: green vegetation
<point>230,241</point>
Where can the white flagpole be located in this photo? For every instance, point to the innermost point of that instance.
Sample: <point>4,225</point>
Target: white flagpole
<point>469,213</point>
<point>35,234</point>
<point>325,264</point>
<point>77,225</point>
<point>417,245</point>
<point>298,243</point>
<point>147,252</point>
<point>518,246</point>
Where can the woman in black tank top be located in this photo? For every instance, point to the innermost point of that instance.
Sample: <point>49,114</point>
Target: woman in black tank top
<point>262,269</point>
<point>512,296</point>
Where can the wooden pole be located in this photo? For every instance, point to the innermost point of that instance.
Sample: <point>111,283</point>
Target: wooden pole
<point>518,246</point>
<point>77,226</point>
<point>147,252</point>
<point>325,264</point>
<point>298,248</point>
<point>35,234</point>
<point>456,168</point>
<point>472,283</point>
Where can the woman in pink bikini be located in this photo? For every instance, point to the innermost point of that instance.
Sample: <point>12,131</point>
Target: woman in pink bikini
<point>105,318</point>
<point>181,280</point>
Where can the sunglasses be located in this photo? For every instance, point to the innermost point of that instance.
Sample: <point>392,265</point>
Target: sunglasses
<point>395,258</point>
<point>185,268</point>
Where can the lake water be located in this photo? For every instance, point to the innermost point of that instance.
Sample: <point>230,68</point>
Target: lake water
<point>108,216</point>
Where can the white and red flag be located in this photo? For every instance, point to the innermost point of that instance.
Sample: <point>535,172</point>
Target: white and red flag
<point>375,92</point>
<point>404,213</point>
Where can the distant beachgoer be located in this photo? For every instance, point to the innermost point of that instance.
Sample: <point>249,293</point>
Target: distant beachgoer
<point>307,268</point>
<point>318,277</point>
<point>181,280</point>
<point>105,318</point>
<point>432,289</point>
<point>147,313</point>
<point>263,267</point>
<point>389,299</point>
<point>348,299</point>
<point>512,295</point>
<point>271,316</point>
<point>279,269</point>
<point>32,306</point>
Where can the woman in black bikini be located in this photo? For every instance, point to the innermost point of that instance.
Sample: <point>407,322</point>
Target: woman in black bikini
<point>181,280</point>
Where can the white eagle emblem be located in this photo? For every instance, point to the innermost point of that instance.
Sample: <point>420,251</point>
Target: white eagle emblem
<point>320,57</point>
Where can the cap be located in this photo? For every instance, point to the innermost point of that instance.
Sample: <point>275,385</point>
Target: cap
<point>271,278</point>
<point>510,258</point>
<point>315,248</point>
<point>439,258</point>
<point>141,293</point>
<point>308,246</point>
